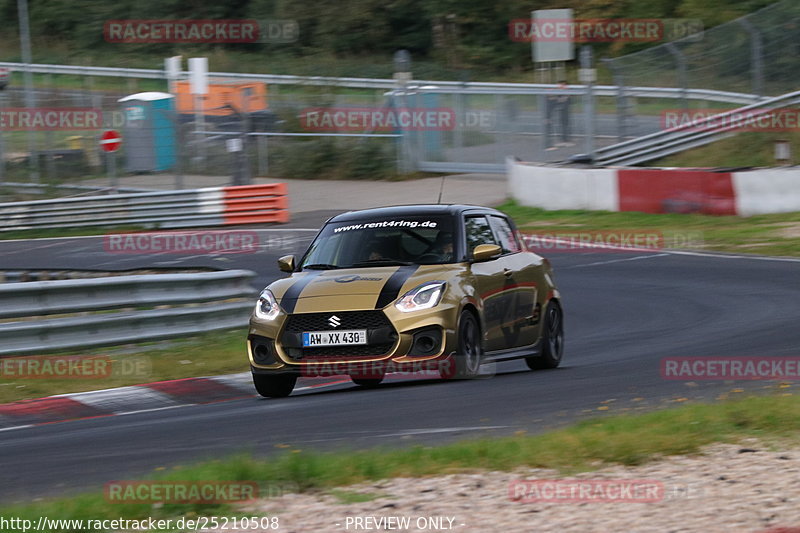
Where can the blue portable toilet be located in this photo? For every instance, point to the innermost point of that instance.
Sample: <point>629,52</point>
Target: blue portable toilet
<point>149,131</point>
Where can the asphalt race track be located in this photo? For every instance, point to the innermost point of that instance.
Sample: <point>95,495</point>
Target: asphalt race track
<point>624,312</point>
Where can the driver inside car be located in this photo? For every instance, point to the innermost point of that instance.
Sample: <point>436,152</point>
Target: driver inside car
<point>443,247</point>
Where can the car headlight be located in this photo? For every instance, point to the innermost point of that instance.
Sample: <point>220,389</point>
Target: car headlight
<point>267,306</point>
<point>425,296</point>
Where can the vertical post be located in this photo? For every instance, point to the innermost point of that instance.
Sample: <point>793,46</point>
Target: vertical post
<point>198,81</point>
<point>30,96</point>
<point>458,133</point>
<point>2,146</point>
<point>756,57</point>
<point>402,75</point>
<point>111,165</point>
<point>50,164</point>
<point>622,99</point>
<point>680,65</point>
<point>92,146</point>
<point>172,70</point>
<point>543,103</point>
<point>588,77</point>
<point>247,178</point>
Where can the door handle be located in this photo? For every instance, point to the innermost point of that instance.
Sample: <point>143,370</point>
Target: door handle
<point>507,272</point>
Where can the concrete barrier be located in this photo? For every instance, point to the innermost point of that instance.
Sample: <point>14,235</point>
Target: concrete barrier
<point>651,190</point>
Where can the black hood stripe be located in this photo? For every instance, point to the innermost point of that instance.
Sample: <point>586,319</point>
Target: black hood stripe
<point>292,294</point>
<point>391,289</point>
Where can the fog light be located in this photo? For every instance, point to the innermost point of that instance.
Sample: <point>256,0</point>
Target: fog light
<point>426,342</point>
<point>263,350</point>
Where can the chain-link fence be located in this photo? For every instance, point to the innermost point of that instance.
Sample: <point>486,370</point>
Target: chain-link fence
<point>758,53</point>
<point>476,127</point>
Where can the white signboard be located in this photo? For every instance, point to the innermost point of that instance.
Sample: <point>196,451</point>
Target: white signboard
<point>551,38</point>
<point>198,75</point>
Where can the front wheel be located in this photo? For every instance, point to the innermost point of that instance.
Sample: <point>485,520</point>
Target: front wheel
<point>552,340</point>
<point>467,360</point>
<point>274,385</point>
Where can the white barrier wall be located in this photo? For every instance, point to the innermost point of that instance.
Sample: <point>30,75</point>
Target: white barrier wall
<point>767,191</point>
<point>563,188</point>
<point>754,192</point>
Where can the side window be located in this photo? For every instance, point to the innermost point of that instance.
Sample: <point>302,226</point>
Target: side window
<point>508,241</point>
<point>478,232</point>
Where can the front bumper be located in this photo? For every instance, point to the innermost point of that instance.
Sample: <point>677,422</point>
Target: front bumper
<point>397,342</point>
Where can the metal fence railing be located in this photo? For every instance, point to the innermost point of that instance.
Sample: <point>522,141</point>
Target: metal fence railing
<point>494,120</point>
<point>690,135</point>
<point>121,309</point>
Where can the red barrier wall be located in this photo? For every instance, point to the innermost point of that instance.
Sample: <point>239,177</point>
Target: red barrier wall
<point>676,191</point>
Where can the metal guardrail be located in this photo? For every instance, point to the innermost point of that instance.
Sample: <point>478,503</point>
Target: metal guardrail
<point>691,135</point>
<point>35,188</point>
<point>390,84</point>
<point>203,301</point>
<point>212,206</point>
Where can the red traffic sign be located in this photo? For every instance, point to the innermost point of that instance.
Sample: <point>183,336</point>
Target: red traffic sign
<point>110,141</point>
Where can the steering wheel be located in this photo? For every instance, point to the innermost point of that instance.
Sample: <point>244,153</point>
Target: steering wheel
<point>429,258</point>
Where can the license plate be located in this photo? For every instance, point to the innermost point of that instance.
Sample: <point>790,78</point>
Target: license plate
<point>335,338</point>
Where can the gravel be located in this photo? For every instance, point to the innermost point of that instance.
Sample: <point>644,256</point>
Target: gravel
<point>725,488</point>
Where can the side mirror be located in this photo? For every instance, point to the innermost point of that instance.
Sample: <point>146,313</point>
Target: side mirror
<point>286,263</point>
<point>485,252</point>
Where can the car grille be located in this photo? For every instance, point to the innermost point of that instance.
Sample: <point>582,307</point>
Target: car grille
<point>369,320</point>
<point>349,320</point>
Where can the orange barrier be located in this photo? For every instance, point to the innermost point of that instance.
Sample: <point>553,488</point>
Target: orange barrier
<point>256,204</point>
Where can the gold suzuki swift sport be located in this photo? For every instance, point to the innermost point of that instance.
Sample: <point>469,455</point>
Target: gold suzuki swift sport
<point>433,288</point>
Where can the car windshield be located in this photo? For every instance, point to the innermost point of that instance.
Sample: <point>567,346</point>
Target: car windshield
<point>381,242</point>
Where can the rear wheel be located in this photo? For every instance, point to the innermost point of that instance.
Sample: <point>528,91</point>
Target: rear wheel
<point>274,385</point>
<point>467,360</point>
<point>552,340</point>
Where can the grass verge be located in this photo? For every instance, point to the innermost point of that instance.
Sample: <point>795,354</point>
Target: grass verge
<point>588,445</point>
<point>777,234</point>
<point>60,233</point>
<point>209,354</point>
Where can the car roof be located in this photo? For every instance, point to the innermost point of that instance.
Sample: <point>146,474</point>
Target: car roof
<point>412,210</point>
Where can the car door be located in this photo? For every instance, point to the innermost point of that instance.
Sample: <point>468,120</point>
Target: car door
<point>520,288</point>
<point>489,280</point>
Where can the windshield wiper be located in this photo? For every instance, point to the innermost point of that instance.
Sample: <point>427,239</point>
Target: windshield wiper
<point>381,262</point>
<point>320,266</point>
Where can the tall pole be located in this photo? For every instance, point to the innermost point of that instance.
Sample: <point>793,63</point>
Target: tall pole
<point>30,97</point>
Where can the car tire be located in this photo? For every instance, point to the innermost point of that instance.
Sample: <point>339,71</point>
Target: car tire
<point>274,385</point>
<point>367,383</point>
<point>467,359</point>
<point>552,340</point>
